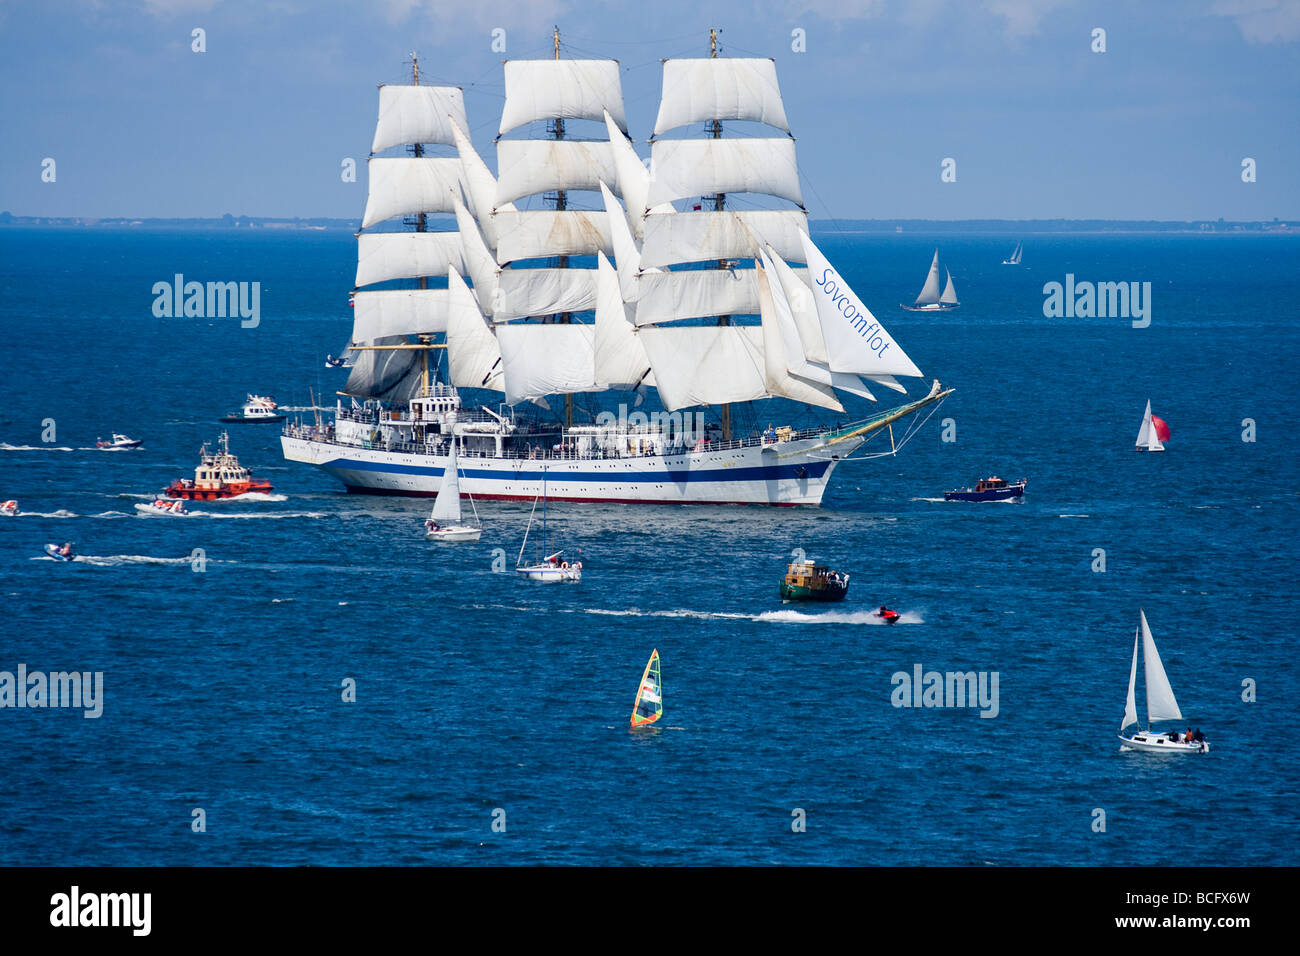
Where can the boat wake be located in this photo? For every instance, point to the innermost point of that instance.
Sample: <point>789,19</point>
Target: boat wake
<point>245,517</point>
<point>5,446</point>
<point>784,616</point>
<point>118,560</point>
<point>252,496</point>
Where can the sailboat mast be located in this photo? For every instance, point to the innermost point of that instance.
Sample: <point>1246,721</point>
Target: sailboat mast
<point>719,202</point>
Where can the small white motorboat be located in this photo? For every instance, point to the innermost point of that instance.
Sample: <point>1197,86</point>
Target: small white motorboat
<point>258,409</point>
<point>1161,704</point>
<point>160,506</point>
<point>9,508</point>
<point>118,441</point>
<point>60,552</point>
<point>446,523</point>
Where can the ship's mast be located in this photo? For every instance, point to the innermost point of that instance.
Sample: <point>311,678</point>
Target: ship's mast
<point>421,225</point>
<point>719,201</point>
<point>426,341</point>
<point>562,203</point>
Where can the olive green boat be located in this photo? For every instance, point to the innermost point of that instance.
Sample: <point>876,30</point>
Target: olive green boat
<point>806,581</point>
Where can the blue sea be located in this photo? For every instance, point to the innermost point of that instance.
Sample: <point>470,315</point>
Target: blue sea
<point>482,700</point>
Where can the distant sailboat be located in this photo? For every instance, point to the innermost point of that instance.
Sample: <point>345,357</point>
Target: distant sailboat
<point>649,705</point>
<point>553,567</point>
<point>1015,256</point>
<point>1153,433</point>
<point>1161,704</point>
<point>930,299</point>
<point>446,523</point>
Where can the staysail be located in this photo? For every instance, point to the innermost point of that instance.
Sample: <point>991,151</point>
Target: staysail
<point>949,296</point>
<point>855,340</point>
<point>649,705</point>
<point>1160,695</point>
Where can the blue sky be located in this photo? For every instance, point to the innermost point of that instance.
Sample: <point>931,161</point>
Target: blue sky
<point>1039,125</point>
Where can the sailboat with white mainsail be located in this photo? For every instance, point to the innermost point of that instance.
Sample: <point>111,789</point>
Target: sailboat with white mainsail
<point>1014,260</point>
<point>1161,704</point>
<point>446,522</point>
<point>554,566</point>
<point>1153,433</point>
<point>622,285</point>
<point>931,299</point>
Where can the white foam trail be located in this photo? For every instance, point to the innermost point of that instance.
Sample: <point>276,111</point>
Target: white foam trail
<point>117,560</point>
<point>784,616</point>
<point>1074,516</point>
<point>252,496</point>
<point>5,446</point>
<point>927,499</point>
<point>246,517</point>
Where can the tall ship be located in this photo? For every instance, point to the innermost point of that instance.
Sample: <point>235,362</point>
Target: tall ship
<point>501,311</point>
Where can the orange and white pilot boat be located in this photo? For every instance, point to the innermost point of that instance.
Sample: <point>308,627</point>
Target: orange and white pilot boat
<point>218,475</point>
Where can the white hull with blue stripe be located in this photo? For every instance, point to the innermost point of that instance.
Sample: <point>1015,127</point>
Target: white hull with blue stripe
<point>781,473</point>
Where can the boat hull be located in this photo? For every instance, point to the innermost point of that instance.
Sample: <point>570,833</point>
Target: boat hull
<point>454,534</point>
<point>190,493</point>
<point>799,592</point>
<point>1160,743</point>
<point>550,574</point>
<point>937,307</point>
<point>259,420</point>
<point>995,494</point>
<point>781,474</point>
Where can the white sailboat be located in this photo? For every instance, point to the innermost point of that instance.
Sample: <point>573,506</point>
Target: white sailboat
<point>446,523</point>
<point>1015,255</point>
<point>930,299</point>
<point>553,567</point>
<point>1161,704</point>
<point>1149,434</point>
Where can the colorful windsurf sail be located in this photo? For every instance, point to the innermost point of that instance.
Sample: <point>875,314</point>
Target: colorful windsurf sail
<point>649,705</point>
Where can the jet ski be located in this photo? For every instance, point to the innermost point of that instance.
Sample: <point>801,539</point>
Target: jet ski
<point>9,508</point>
<point>58,553</point>
<point>886,615</point>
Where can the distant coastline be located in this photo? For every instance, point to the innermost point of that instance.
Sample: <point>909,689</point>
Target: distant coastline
<point>1016,227</point>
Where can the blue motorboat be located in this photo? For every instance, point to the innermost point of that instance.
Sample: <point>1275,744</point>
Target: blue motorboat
<point>988,489</point>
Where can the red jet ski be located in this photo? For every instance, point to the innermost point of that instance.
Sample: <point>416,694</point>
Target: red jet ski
<point>886,615</point>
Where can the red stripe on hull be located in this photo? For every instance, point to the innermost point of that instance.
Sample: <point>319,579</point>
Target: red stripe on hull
<point>388,492</point>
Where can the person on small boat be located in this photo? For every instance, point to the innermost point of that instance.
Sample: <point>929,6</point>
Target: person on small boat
<point>66,550</point>
<point>432,525</point>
